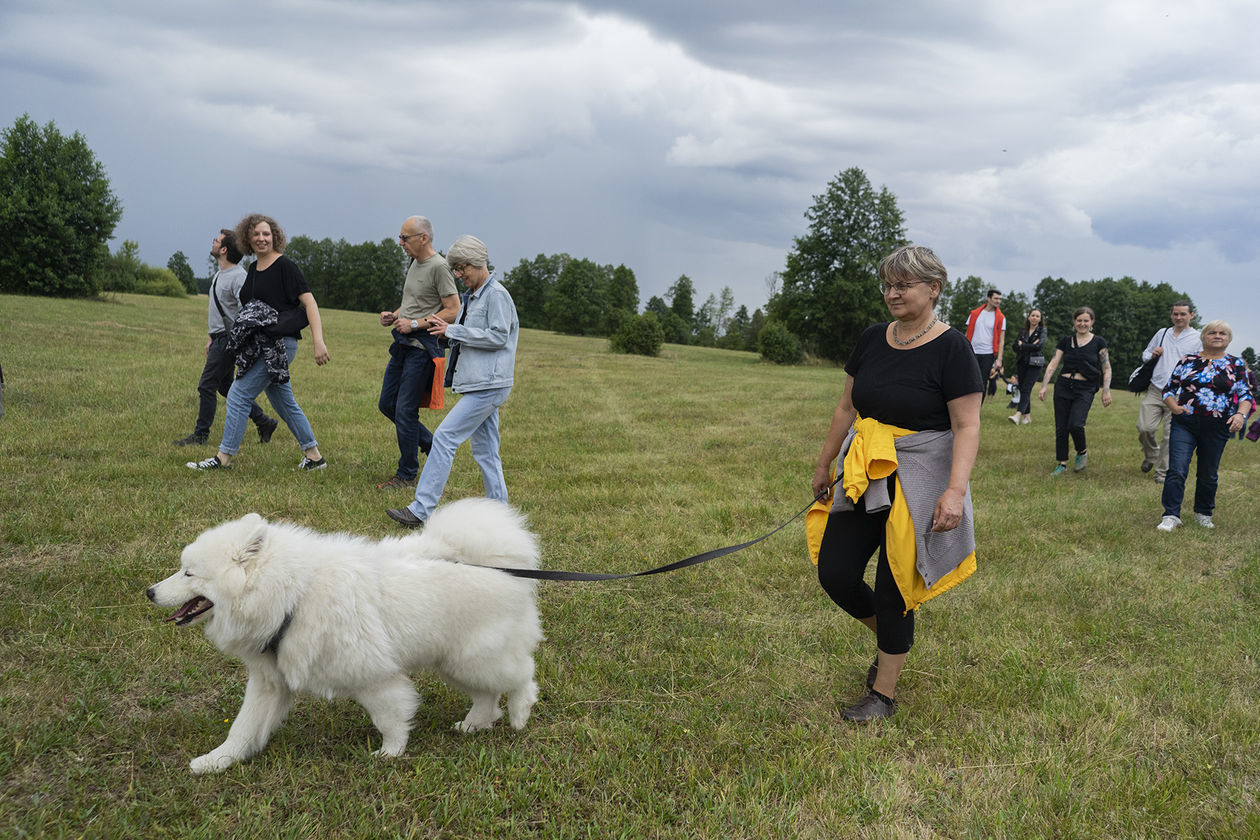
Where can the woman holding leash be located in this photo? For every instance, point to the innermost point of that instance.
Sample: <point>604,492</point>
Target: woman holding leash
<point>275,280</point>
<point>1029,360</point>
<point>906,431</point>
<point>1210,398</point>
<point>1085,366</point>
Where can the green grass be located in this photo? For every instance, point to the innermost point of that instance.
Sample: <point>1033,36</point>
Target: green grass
<point>1094,679</point>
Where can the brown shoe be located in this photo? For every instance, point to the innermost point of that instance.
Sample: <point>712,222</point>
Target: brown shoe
<point>394,482</point>
<point>869,708</point>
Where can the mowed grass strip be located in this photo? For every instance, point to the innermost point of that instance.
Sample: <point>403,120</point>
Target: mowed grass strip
<point>1094,679</point>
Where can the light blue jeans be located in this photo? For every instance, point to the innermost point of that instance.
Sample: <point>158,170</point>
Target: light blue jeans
<point>475,417</point>
<point>246,389</point>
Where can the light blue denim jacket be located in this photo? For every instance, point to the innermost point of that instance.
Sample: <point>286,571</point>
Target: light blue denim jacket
<point>487,339</point>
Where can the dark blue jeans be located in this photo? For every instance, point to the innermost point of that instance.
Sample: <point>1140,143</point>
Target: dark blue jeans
<point>1190,432</point>
<point>407,383</point>
<point>216,378</point>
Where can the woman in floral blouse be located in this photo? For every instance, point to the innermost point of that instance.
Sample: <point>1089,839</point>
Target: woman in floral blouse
<point>1210,399</point>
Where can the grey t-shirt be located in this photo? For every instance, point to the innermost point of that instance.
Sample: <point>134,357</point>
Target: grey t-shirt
<point>226,286</point>
<point>426,284</point>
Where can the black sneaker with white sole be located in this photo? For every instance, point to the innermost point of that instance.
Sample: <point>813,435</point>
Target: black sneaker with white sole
<point>308,465</point>
<point>211,463</point>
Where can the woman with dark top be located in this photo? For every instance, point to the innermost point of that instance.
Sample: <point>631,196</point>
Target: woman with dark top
<point>1029,361</point>
<point>1210,397</point>
<point>275,280</point>
<point>906,431</point>
<point>1086,366</point>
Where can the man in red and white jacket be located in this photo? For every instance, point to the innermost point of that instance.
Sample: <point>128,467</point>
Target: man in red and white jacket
<point>986,327</point>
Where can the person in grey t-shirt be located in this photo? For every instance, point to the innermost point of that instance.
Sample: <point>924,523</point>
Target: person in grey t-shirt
<point>217,375</point>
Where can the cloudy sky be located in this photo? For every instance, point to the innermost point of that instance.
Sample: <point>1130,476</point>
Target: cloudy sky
<point>1074,139</point>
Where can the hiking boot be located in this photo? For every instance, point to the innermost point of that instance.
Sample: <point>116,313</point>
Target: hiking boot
<point>307,465</point>
<point>211,463</point>
<point>1204,519</point>
<point>192,440</point>
<point>1081,460</point>
<point>266,429</point>
<point>394,482</point>
<point>1168,523</point>
<point>871,707</point>
<point>404,517</point>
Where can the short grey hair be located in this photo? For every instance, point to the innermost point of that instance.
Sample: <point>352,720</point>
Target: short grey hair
<point>914,262</point>
<point>421,225</point>
<point>468,250</point>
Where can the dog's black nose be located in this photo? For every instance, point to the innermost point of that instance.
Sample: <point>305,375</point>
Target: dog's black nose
<point>149,592</point>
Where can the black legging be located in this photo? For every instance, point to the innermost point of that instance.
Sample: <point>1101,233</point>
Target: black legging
<point>847,545</point>
<point>1072,399</point>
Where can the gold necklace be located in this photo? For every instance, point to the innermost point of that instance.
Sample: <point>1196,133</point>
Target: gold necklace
<point>914,337</point>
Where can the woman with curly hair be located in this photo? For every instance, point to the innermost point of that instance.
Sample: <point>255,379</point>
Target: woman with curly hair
<point>276,303</point>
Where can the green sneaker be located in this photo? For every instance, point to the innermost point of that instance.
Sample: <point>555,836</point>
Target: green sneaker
<point>1082,458</point>
<point>1059,469</point>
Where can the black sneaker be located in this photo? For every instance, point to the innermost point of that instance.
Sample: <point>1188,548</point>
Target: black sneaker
<point>211,463</point>
<point>266,429</point>
<point>404,517</point>
<point>307,464</point>
<point>192,440</point>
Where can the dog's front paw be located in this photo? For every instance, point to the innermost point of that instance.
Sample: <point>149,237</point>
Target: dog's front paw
<point>211,762</point>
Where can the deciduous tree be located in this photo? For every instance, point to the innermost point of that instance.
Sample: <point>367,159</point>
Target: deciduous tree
<point>57,212</point>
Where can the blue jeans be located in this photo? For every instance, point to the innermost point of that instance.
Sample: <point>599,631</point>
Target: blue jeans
<point>1189,432</point>
<point>216,378</point>
<point>243,392</point>
<point>406,385</point>
<point>475,417</point>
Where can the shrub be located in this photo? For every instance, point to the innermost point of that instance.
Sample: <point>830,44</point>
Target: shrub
<point>777,344</point>
<point>151,280</point>
<point>641,334</point>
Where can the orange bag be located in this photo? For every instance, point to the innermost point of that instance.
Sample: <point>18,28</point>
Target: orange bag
<point>437,395</point>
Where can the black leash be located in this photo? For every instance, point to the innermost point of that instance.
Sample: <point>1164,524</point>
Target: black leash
<point>694,560</point>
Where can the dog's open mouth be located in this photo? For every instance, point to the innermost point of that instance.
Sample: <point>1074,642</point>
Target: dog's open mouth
<point>192,608</point>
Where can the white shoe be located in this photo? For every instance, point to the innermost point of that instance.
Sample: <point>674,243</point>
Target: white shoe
<point>1014,418</point>
<point>1204,520</point>
<point>1168,523</point>
<point>1027,419</point>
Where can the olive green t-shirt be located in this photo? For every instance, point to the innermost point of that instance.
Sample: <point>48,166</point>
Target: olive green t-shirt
<point>426,284</point>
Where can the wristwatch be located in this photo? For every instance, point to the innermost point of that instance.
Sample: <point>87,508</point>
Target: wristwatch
<point>415,325</point>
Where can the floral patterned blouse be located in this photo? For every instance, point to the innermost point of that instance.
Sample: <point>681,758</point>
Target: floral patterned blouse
<point>1210,387</point>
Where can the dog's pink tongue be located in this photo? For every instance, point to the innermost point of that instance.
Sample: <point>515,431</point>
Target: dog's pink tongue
<point>190,607</point>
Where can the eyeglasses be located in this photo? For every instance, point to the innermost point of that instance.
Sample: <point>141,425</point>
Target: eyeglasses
<point>460,267</point>
<point>404,237</point>
<point>899,288</point>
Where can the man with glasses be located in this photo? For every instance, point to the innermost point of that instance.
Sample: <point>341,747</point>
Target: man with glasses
<point>985,327</point>
<point>428,291</point>
<point>219,371</point>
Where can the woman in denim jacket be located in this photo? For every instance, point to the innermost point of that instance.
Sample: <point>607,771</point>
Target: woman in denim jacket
<point>483,357</point>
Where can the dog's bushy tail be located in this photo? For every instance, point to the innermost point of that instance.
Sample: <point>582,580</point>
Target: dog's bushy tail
<point>481,532</point>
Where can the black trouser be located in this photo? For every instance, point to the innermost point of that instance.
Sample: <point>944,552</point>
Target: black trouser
<point>1027,375</point>
<point>216,378</point>
<point>847,545</point>
<point>1072,399</point>
<point>984,361</point>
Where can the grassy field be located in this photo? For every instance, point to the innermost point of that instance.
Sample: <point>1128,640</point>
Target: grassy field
<point>1094,679</point>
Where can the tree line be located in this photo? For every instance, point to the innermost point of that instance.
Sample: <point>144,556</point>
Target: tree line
<point>58,212</point>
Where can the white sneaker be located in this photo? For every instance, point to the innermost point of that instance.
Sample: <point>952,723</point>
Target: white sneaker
<point>1168,523</point>
<point>1014,418</point>
<point>1204,520</point>
<point>1027,419</point>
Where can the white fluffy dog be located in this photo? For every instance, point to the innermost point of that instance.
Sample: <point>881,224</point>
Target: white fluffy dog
<point>341,616</point>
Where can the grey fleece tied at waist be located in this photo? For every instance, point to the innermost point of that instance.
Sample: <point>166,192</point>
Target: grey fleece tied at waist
<point>923,464</point>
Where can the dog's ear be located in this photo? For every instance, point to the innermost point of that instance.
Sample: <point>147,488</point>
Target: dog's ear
<point>252,546</point>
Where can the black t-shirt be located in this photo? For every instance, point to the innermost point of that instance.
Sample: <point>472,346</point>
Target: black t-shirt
<point>911,388</point>
<point>1082,359</point>
<point>278,285</point>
